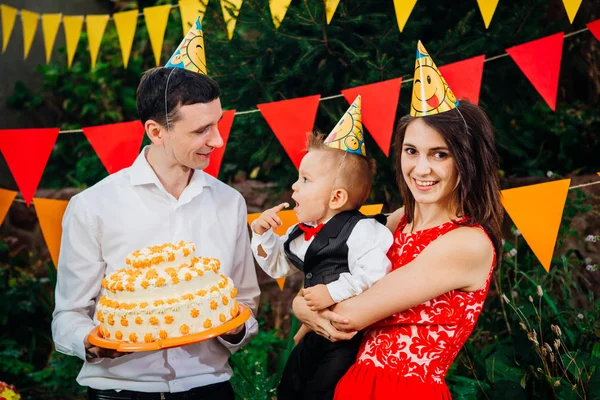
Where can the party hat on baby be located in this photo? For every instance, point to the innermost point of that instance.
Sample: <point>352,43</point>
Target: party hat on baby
<point>431,94</point>
<point>190,52</point>
<point>347,135</point>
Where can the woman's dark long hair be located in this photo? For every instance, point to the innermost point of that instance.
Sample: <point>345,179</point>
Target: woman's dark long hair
<point>471,144</point>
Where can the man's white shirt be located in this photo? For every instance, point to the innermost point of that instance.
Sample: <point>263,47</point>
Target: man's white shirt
<point>130,210</point>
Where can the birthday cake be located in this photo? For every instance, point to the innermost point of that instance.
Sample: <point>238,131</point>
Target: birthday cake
<point>165,291</point>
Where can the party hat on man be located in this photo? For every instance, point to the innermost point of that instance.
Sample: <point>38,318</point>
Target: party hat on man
<point>190,52</point>
<point>347,135</point>
<point>431,94</point>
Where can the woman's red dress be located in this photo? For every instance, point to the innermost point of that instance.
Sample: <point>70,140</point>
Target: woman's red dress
<point>407,355</point>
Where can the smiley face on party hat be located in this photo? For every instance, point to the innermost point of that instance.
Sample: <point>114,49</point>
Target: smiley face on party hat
<point>431,94</point>
<point>190,52</point>
<point>347,135</point>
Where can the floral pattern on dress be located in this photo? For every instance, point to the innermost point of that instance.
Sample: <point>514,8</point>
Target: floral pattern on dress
<point>423,341</point>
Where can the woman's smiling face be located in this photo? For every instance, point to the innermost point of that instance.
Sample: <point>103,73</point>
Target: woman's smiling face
<point>428,167</point>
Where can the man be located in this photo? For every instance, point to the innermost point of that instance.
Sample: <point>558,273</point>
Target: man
<point>163,197</point>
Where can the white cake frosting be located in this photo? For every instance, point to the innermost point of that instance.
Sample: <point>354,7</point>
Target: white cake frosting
<point>165,292</point>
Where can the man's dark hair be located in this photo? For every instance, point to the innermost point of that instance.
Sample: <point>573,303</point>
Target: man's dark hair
<point>185,88</point>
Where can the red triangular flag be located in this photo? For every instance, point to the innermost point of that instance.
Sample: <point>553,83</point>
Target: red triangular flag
<point>379,104</point>
<point>540,62</point>
<point>464,78</point>
<point>217,155</point>
<point>117,145</point>
<point>291,121</point>
<point>26,152</point>
<point>594,27</point>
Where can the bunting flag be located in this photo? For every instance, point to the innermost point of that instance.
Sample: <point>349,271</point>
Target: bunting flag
<point>571,6</point>
<point>73,24</point>
<point>190,10</point>
<point>50,214</point>
<point>231,11</point>
<point>126,22</point>
<point>278,10</point>
<point>536,211</point>
<point>379,104</point>
<point>464,77</point>
<point>117,145</point>
<point>26,152</point>
<point>30,23</point>
<point>9,16</point>
<point>6,199</point>
<point>156,21</point>
<point>403,10</point>
<point>330,7</point>
<point>95,26</point>
<point>487,8</point>
<point>50,24</point>
<point>288,218</point>
<point>540,62</point>
<point>291,121</point>
<point>594,27</point>
<point>217,155</point>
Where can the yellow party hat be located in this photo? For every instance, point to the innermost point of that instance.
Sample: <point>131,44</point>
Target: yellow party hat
<point>347,135</point>
<point>190,52</point>
<point>431,94</point>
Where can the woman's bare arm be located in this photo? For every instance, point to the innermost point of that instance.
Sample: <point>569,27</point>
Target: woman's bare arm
<point>460,259</point>
<point>320,321</point>
<point>394,219</point>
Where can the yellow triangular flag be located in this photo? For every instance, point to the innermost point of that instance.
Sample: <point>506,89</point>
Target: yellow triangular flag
<point>126,22</point>
<point>9,15</point>
<point>30,23</point>
<point>50,24</point>
<point>231,10</point>
<point>487,8</point>
<point>95,26</point>
<point>73,24</point>
<point>330,7</point>
<point>6,199</point>
<point>190,10</point>
<point>288,218</point>
<point>572,6</point>
<point>278,10</point>
<point>50,214</point>
<point>403,10</point>
<point>537,211</point>
<point>156,21</point>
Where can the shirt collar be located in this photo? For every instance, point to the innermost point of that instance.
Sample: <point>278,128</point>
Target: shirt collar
<point>141,173</point>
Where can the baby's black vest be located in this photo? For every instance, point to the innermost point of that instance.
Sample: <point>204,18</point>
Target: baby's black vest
<point>327,255</point>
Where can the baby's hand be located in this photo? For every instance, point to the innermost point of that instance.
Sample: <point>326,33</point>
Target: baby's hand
<point>301,333</point>
<point>317,297</point>
<point>268,219</point>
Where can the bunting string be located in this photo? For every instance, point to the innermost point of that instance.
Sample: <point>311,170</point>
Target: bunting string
<point>336,96</point>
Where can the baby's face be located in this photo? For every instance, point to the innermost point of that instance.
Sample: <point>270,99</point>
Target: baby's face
<point>312,190</point>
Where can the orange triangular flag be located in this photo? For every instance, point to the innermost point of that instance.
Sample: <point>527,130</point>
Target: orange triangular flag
<point>487,8</point>
<point>278,10</point>
<point>73,24</point>
<point>156,21</point>
<point>50,24</point>
<point>126,22</point>
<point>50,214</point>
<point>231,10</point>
<point>30,23</point>
<point>9,16</point>
<point>95,26</point>
<point>330,7</point>
<point>571,6</point>
<point>537,211</point>
<point>403,10</point>
<point>288,218</point>
<point>190,10</point>
<point>6,199</point>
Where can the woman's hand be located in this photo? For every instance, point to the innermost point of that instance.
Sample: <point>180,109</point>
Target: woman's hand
<point>321,322</point>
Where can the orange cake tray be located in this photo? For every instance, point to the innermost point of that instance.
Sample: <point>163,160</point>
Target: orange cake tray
<point>126,347</point>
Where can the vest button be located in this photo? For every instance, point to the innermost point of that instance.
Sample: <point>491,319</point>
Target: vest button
<point>309,275</point>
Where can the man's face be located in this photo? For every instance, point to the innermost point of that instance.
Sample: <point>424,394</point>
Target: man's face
<point>191,140</point>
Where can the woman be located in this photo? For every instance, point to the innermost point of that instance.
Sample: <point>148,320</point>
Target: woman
<point>446,242</point>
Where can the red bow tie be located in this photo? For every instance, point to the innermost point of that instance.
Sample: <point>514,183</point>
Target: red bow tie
<point>310,231</point>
